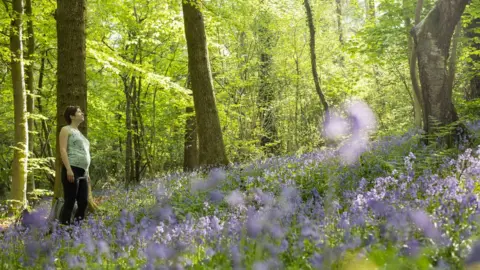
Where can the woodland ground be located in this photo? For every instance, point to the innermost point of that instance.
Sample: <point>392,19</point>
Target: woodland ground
<point>403,205</point>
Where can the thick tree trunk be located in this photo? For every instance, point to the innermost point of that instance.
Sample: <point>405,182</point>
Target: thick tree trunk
<point>417,96</point>
<point>432,41</point>
<point>313,57</point>
<point>30,87</point>
<point>266,94</point>
<point>211,146</point>
<point>20,153</point>
<point>71,73</point>
<point>473,36</point>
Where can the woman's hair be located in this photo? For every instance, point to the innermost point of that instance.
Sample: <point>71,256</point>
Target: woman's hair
<point>70,111</point>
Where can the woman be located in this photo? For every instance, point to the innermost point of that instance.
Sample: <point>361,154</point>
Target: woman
<point>75,153</point>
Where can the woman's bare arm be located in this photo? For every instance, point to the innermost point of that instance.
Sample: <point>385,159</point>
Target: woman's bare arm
<point>63,140</point>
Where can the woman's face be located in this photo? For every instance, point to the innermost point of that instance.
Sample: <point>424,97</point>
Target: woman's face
<point>79,116</point>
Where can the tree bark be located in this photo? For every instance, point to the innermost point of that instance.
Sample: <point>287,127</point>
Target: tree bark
<point>417,96</point>
<point>71,74</point>
<point>370,9</point>
<point>313,57</point>
<point>45,148</point>
<point>20,153</point>
<point>339,21</point>
<point>452,60</point>
<point>473,36</point>
<point>211,145</point>
<point>30,87</point>
<point>128,125</point>
<point>266,94</point>
<point>190,145</point>
<point>432,41</point>
<point>190,149</point>
<point>136,127</point>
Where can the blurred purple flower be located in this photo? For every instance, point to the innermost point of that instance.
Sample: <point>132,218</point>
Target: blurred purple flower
<point>364,119</point>
<point>160,251</point>
<point>411,248</point>
<point>216,176</point>
<point>36,219</point>
<point>335,126</point>
<point>216,196</point>
<point>103,247</point>
<point>254,223</point>
<point>317,261</point>
<point>423,221</point>
<point>32,250</point>
<point>260,266</point>
<point>235,199</point>
<point>378,207</point>
<point>474,256</point>
<point>351,149</point>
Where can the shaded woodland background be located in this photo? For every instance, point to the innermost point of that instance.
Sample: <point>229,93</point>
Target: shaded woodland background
<point>139,105</point>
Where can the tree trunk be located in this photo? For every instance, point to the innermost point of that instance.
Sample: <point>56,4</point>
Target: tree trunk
<point>30,87</point>
<point>432,41</point>
<point>128,125</point>
<point>339,21</point>
<point>417,96</point>
<point>266,94</point>
<point>190,149</point>
<point>452,60</point>
<point>71,74</point>
<point>242,53</point>
<point>473,36</point>
<point>211,146</point>
<point>136,129</point>
<point>46,148</point>
<point>370,9</point>
<point>313,57</point>
<point>20,153</point>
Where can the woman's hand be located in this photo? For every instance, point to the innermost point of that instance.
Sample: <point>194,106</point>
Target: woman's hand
<point>70,176</point>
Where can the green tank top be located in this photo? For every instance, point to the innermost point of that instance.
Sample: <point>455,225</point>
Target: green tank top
<point>78,149</point>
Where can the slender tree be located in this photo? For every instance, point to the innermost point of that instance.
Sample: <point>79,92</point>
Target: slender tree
<point>44,131</point>
<point>370,9</point>
<point>20,153</point>
<point>432,45</point>
<point>417,96</point>
<point>30,86</point>
<point>338,4</point>
<point>127,89</point>
<point>313,57</point>
<point>211,146</point>
<point>266,92</point>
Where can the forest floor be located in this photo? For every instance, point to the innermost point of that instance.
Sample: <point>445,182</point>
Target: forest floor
<point>42,206</point>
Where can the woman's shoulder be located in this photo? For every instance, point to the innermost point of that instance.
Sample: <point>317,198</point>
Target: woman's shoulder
<point>66,129</point>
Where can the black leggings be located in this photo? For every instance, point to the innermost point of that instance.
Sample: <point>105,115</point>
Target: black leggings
<point>78,190</point>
